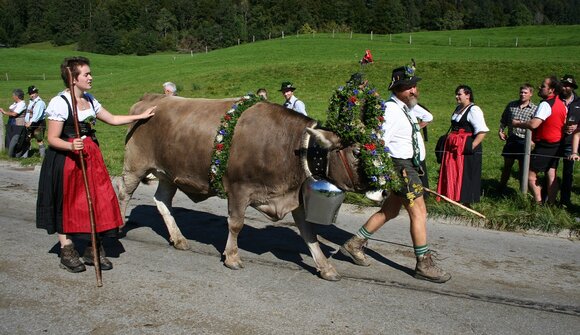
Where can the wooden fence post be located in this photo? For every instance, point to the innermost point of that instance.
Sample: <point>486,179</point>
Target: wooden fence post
<point>526,162</point>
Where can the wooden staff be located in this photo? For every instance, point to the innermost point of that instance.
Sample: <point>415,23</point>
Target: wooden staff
<point>455,203</point>
<point>96,250</point>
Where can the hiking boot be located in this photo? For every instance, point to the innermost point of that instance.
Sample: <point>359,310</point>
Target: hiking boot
<point>426,269</point>
<point>353,248</point>
<point>88,258</point>
<point>69,259</point>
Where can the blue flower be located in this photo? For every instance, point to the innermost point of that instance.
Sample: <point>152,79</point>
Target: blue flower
<point>355,91</point>
<point>217,162</point>
<point>223,132</point>
<point>372,91</point>
<point>387,150</point>
<point>234,106</point>
<point>374,152</point>
<point>374,179</point>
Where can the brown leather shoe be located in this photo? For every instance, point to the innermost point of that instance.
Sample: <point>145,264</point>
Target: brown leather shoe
<point>69,259</point>
<point>426,269</point>
<point>354,248</point>
<point>88,258</point>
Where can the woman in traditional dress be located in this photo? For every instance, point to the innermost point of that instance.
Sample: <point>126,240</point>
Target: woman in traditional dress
<point>62,206</point>
<point>460,173</point>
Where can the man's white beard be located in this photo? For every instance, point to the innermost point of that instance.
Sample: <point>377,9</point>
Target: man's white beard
<point>412,102</point>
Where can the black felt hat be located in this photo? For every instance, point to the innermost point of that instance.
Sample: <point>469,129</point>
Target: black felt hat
<point>287,86</point>
<point>32,89</point>
<point>568,80</point>
<point>403,76</point>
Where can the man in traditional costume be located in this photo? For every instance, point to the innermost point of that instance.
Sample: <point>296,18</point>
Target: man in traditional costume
<point>403,139</point>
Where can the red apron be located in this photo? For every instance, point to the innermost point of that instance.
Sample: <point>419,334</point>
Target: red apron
<point>75,206</point>
<point>451,171</point>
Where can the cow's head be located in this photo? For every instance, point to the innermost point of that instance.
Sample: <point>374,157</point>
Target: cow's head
<point>343,169</point>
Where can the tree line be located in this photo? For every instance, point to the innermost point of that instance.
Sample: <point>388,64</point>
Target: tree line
<point>146,26</point>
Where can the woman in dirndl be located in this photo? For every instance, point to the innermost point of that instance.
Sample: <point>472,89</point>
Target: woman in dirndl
<point>62,206</point>
<point>460,172</point>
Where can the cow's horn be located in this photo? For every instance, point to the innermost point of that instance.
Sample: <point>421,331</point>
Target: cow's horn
<point>322,141</point>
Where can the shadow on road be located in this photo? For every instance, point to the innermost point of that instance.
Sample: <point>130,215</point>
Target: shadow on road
<point>283,242</point>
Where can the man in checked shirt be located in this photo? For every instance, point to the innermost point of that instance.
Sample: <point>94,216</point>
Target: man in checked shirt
<point>522,109</point>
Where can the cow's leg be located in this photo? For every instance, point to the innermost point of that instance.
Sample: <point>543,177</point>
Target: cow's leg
<point>163,199</point>
<point>327,270</point>
<point>126,186</point>
<point>235,225</point>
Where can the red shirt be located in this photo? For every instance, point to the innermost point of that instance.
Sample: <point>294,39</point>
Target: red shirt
<point>550,130</point>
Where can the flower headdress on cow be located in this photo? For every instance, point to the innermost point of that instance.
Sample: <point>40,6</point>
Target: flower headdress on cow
<point>355,114</point>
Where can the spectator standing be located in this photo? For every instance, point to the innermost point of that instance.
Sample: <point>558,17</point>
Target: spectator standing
<point>572,103</point>
<point>16,124</point>
<point>547,126</point>
<point>460,172</point>
<point>61,204</point>
<point>169,89</point>
<point>35,118</point>
<point>292,102</point>
<point>262,93</point>
<point>403,138</point>
<point>522,109</point>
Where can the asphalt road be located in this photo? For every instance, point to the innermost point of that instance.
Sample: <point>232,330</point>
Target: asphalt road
<point>503,283</point>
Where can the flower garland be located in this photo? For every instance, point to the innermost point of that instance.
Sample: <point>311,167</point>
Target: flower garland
<point>355,114</point>
<point>222,142</point>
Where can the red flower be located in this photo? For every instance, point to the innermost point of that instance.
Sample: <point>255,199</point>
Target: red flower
<point>381,118</point>
<point>227,117</point>
<point>370,146</point>
<point>219,146</point>
<point>353,99</point>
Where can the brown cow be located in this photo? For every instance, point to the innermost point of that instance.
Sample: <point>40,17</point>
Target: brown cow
<point>265,169</point>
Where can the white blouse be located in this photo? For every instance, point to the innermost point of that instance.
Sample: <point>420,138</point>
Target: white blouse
<point>475,117</point>
<point>57,109</point>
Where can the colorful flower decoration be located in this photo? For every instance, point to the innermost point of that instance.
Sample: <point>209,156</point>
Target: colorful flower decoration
<point>222,143</point>
<point>355,114</point>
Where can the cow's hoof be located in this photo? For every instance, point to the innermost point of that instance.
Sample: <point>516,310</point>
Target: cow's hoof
<point>181,244</point>
<point>235,265</point>
<point>330,274</point>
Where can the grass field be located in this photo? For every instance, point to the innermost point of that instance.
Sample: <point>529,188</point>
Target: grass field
<point>493,66</point>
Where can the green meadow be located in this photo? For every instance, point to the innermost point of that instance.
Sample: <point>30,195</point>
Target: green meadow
<point>494,62</point>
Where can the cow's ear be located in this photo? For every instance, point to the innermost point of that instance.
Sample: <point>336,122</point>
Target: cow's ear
<point>325,139</point>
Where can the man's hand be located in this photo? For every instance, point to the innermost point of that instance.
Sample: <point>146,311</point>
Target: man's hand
<point>501,135</point>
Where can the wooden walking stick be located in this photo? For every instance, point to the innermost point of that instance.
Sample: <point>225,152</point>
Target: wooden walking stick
<point>96,250</point>
<point>455,203</point>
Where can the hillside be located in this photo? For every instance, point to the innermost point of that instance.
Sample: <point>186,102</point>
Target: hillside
<point>317,64</point>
